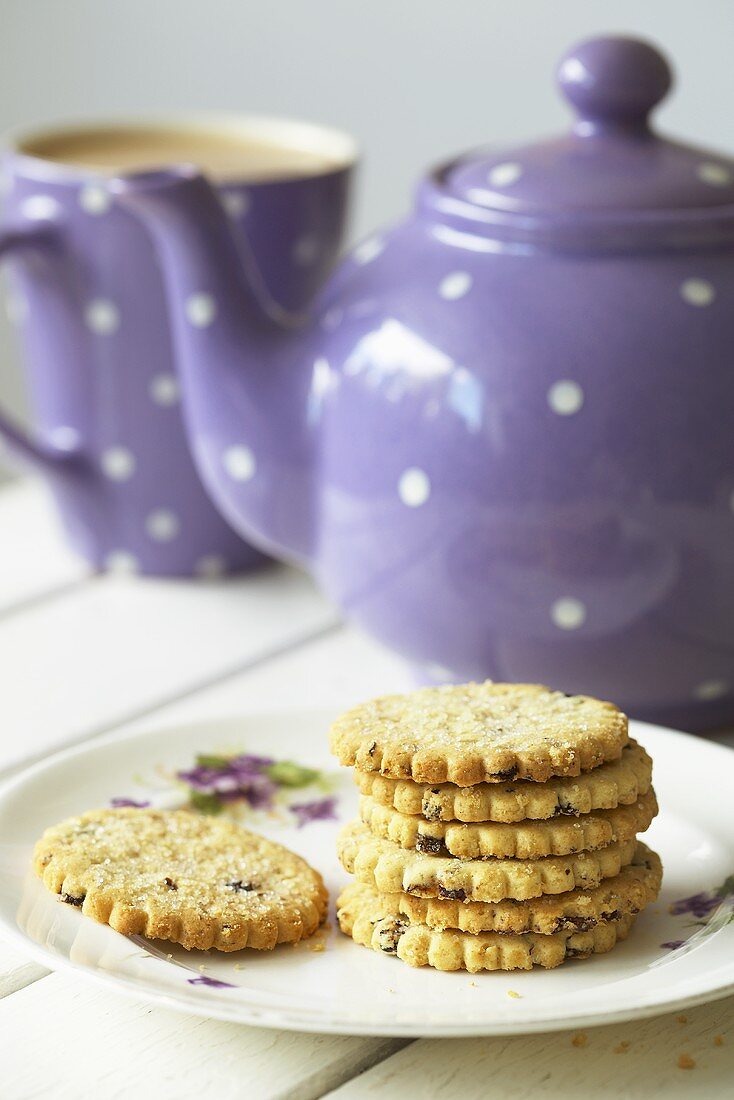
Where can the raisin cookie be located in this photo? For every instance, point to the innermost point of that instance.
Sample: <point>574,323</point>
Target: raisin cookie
<point>618,783</point>
<point>480,733</point>
<point>389,869</point>
<point>362,916</point>
<point>627,894</point>
<point>527,840</point>
<point>176,875</point>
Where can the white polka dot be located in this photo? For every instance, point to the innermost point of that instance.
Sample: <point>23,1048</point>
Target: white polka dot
<point>163,389</point>
<point>565,397</point>
<point>210,566</point>
<point>711,689</point>
<point>201,309</point>
<point>120,561</point>
<point>697,292</point>
<point>368,250</point>
<point>94,199</point>
<point>504,175</point>
<point>102,317</point>
<point>717,175</point>
<point>568,613</point>
<point>414,487</point>
<point>455,285</point>
<point>64,437</point>
<point>236,203</point>
<point>239,462</point>
<point>118,463</point>
<point>162,525</point>
<point>17,309</point>
<point>39,207</point>
<point>306,250</point>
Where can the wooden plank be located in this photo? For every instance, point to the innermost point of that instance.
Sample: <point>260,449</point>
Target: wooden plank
<point>34,558</point>
<point>533,1067</point>
<point>119,647</point>
<point>16,971</point>
<point>96,1044</point>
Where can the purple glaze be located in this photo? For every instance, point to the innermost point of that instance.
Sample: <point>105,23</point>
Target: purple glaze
<point>504,442</point>
<point>109,430</point>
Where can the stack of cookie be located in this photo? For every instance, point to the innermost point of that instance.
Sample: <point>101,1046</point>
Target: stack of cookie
<point>498,827</point>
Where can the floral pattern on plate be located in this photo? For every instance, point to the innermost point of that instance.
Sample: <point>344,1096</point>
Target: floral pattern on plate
<point>240,784</point>
<point>711,909</point>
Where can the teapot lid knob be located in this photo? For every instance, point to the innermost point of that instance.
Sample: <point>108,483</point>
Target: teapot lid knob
<point>613,81</point>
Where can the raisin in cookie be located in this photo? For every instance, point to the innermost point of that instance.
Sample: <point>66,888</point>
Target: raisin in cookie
<point>617,783</point>
<point>176,875</point>
<point>362,916</point>
<point>480,733</point>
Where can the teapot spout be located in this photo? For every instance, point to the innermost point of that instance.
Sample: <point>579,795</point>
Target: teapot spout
<point>244,397</point>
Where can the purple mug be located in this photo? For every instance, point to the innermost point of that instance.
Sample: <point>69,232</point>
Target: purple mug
<point>89,299</point>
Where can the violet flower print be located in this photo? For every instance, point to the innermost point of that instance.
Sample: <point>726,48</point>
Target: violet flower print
<point>699,906</point>
<point>259,781</point>
<point>219,779</point>
<point>703,906</point>
<point>121,803</point>
<point>213,983</point>
<point>323,809</point>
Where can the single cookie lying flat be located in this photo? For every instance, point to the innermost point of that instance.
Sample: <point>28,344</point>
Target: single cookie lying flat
<point>362,916</point>
<point>528,840</point>
<point>620,782</point>
<point>176,875</point>
<point>389,869</point>
<point>627,894</point>
<point>480,733</point>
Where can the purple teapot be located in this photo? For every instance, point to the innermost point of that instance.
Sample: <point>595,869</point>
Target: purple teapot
<point>504,440</point>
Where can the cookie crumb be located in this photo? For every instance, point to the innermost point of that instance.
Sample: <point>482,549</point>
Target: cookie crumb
<point>169,956</point>
<point>317,945</point>
<point>718,1040</point>
<point>686,1062</point>
<point>238,966</point>
<point>682,1019</point>
<point>580,1039</point>
<point>513,994</point>
<point>622,1048</point>
<point>202,968</point>
<point>390,989</point>
<point>474,984</point>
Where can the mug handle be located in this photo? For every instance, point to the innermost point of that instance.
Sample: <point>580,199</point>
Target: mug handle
<point>38,454</point>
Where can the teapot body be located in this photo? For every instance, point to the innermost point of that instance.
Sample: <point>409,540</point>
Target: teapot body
<point>526,464</point>
<point>504,441</point>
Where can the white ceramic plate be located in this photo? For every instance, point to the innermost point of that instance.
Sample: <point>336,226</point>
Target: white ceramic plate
<point>340,987</point>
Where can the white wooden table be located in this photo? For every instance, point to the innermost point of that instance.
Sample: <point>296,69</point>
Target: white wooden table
<point>82,656</point>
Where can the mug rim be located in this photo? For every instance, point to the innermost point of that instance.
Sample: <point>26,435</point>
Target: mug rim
<point>335,145</point>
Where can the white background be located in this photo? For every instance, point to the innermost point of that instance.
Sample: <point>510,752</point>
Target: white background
<point>414,80</point>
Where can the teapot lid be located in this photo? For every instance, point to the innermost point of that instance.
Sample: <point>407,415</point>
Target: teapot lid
<point>612,168</point>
